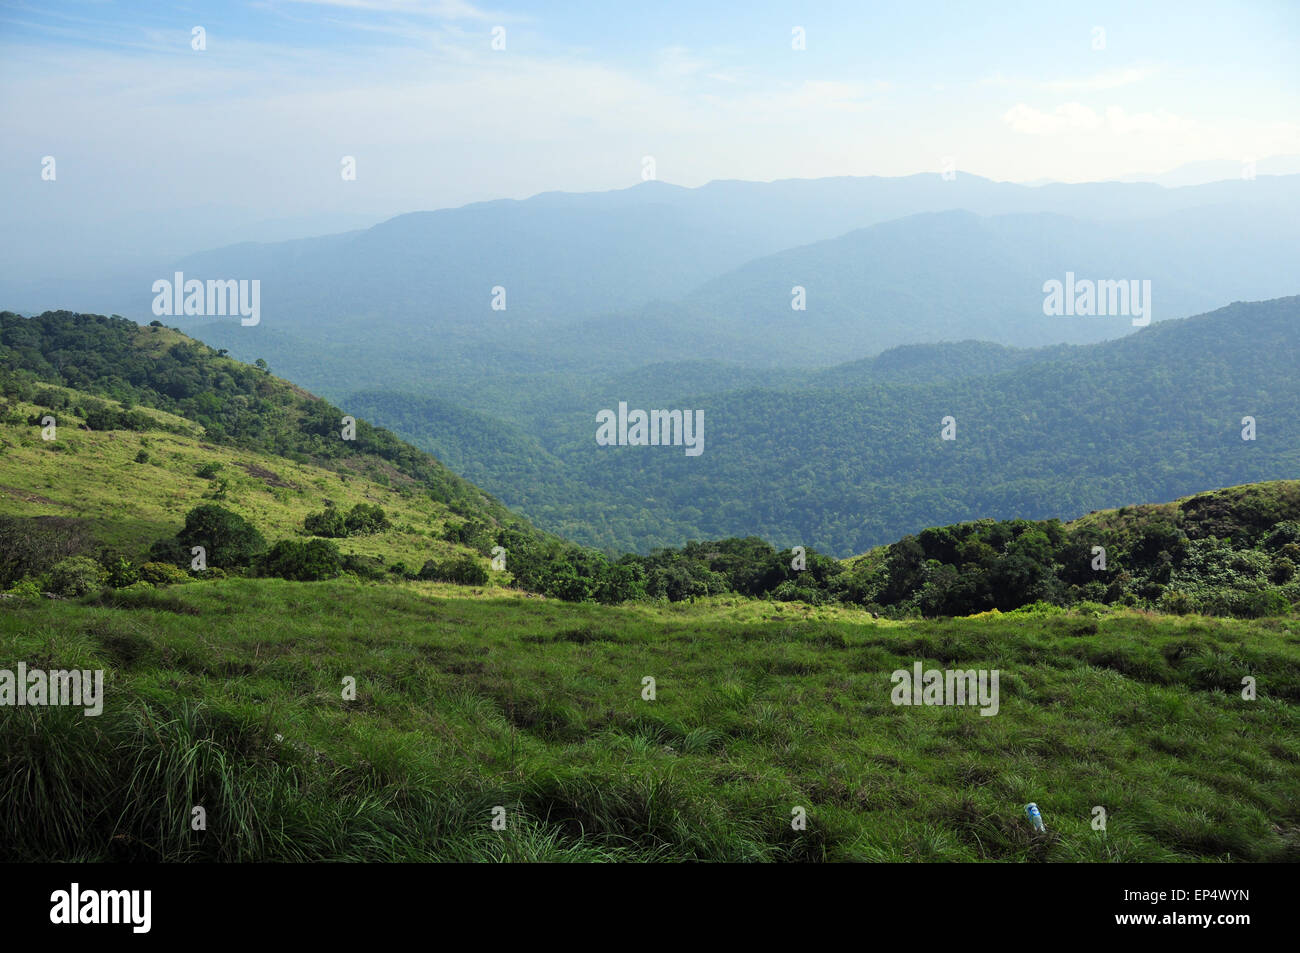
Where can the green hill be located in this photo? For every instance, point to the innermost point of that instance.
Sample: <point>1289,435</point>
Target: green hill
<point>349,719</point>
<point>149,424</point>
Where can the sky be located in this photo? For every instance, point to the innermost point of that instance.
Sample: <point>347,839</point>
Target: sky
<point>162,141</point>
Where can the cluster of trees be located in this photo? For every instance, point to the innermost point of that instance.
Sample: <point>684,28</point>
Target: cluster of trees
<point>1229,552</point>
<point>97,414</point>
<point>364,519</point>
<point>1223,553</point>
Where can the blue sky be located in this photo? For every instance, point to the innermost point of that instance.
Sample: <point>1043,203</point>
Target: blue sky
<point>253,128</point>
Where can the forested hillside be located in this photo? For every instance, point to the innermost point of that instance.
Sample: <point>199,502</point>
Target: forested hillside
<point>854,457</point>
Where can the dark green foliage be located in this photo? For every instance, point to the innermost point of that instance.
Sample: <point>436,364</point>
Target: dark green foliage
<point>363,567</point>
<point>101,416</point>
<point>228,539</point>
<point>465,570</point>
<point>475,535</point>
<point>1156,557</point>
<point>329,523</point>
<point>364,519</point>
<point>121,572</point>
<point>301,560</point>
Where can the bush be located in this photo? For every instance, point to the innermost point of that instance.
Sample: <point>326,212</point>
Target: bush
<point>362,520</point>
<point>163,574</point>
<point>169,550</point>
<point>120,571</point>
<point>209,470</point>
<point>142,456</point>
<point>302,561</point>
<point>329,524</point>
<point>101,416</point>
<point>365,519</point>
<point>364,567</point>
<point>26,589</point>
<point>463,570</point>
<point>1175,602</point>
<point>76,576</point>
<point>229,539</point>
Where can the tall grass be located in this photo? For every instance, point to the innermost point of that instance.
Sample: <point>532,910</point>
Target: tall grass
<point>226,696</point>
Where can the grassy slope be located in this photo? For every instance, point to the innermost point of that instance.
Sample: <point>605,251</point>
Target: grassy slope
<point>94,476</point>
<point>467,703</point>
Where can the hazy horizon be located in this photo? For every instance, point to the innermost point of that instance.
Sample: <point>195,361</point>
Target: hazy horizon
<point>179,129</point>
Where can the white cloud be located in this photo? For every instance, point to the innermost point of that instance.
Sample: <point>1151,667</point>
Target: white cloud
<point>1075,117</point>
<point>1108,79</point>
<point>1068,117</point>
<point>1158,123</point>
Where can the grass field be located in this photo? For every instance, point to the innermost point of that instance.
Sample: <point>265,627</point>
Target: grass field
<point>228,695</point>
<point>93,475</point>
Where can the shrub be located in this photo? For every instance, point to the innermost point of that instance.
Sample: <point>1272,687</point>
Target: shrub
<point>120,571</point>
<point>302,561</point>
<point>362,520</point>
<point>163,574</point>
<point>1176,602</point>
<point>209,470</point>
<point>365,519</point>
<point>76,576</point>
<point>363,567</point>
<point>229,539</point>
<point>329,524</point>
<point>464,570</point>
<point>27,588</point>
<point>142,456</point>
<point>169,550</point>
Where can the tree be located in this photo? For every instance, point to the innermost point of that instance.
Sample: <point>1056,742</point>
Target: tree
<point>228,539</point>
<point>301,560</point>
